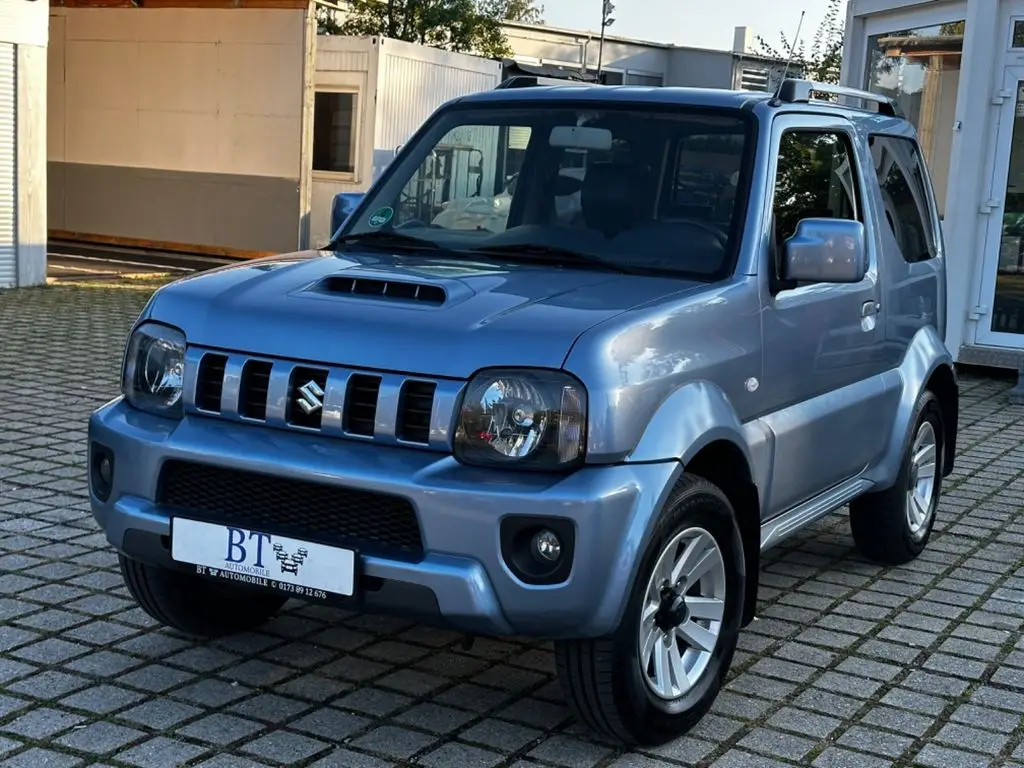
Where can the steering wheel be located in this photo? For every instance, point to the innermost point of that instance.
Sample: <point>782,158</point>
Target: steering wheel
<point>723,240</point>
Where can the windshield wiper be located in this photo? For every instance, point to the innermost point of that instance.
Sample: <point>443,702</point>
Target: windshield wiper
<point>550,253</point>
<point>385,238</point>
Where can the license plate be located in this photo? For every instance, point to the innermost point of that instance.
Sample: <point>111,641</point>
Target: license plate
<point>234,553</point>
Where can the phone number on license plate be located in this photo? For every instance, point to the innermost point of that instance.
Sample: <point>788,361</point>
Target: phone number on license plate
<point>259,581</point>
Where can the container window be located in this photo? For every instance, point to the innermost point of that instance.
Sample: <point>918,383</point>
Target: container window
<point>334,120</point>
<point>920,68</point>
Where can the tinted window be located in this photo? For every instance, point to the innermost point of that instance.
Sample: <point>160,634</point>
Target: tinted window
<point>899,168</point>
<point>642,189</point>
<point>334,132</point>
<point>814,180</point>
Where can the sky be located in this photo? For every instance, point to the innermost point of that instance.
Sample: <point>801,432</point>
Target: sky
<point>699,23</point>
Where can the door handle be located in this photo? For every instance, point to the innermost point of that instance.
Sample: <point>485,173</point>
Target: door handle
<point>869,308</point>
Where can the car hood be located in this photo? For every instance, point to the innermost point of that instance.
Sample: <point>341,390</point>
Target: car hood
<point>414,313</point>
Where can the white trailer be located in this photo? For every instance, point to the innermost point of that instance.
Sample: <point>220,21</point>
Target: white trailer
<point>371,95</point>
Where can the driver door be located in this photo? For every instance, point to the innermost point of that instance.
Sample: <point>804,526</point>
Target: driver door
<point>824,343</point>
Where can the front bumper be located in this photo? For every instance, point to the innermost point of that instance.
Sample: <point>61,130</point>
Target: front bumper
<point>462,579</point>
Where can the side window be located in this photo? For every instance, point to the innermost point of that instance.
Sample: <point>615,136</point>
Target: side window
<point>815,180</point>
<point>905,199</point>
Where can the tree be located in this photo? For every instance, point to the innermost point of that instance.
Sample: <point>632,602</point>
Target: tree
<point>521,11</point>
<point>466,26</point>
<point>327,21</point>
<point>825,58</point>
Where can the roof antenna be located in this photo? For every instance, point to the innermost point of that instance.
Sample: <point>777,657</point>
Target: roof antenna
<point>792,53</point>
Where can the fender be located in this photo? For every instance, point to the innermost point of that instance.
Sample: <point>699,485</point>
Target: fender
<point>925,354</point>
<point>692,417</point>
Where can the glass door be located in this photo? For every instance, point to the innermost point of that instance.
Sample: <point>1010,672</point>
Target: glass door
<point>1002,288</point>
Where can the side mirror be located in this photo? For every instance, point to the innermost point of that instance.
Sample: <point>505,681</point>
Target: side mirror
<point>826,251</point>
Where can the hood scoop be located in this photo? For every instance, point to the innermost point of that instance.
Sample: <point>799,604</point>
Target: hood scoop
<point>387,290</point>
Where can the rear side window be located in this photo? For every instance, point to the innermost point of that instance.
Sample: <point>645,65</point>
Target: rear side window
<point>906,204</point>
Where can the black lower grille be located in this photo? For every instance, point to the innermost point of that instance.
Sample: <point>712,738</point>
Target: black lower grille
<point>292,507</point>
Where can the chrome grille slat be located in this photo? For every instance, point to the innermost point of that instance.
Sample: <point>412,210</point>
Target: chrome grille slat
<point>277,394</point>
<point>386,418</point>
<point>230,390</point>
<point>334,402</point>
<point>444,413</point>
<point>350,404</point>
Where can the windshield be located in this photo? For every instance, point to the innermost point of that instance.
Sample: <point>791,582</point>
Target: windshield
<point>636,187</point>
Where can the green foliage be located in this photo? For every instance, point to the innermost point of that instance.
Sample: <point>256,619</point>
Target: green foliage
<point>465,26</point>
<point>522,11</point>
<point>825,57</point>
<point>805,168</point>
<point>326,22</point>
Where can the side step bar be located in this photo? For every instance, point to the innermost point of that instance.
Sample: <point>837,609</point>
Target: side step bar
<point>785,525</point>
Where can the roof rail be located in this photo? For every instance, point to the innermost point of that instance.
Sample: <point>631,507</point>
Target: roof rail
<point>794,91</point>
<point>517,81</point>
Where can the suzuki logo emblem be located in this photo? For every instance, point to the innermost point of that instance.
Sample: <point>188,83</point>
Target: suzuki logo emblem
<point>311,397</point>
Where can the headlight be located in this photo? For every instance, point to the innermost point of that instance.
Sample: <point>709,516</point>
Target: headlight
<point>528,419</point>
<point>154,365</point>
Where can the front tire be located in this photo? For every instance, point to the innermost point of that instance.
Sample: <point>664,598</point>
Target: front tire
<point>893,526</point>
<point>658,674</point>
<point>194,606</point>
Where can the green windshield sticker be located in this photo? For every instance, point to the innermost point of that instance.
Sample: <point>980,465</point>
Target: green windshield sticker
<point>381,216</point>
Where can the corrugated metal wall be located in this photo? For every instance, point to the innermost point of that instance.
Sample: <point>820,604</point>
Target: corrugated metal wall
<point>410,89</point>
<point>8,169</point>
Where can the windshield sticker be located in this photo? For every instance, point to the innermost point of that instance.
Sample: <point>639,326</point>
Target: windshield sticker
<point>381,216</point>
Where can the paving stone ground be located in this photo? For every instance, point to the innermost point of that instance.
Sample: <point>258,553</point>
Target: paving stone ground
<point>848,665</point>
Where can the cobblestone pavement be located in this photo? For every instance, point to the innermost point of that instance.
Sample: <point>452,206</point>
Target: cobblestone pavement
<point>849,664</point>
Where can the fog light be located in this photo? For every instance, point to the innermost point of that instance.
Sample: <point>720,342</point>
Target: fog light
<point>101,471</point>
<point>547,546</point>
<point>106,472</point>
<point>538,550</point>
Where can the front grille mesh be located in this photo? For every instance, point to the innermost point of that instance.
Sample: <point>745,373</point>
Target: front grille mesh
<point>290,507</point>
<point>255,386</point>
<point>306,398</point>
<point>361,404</point>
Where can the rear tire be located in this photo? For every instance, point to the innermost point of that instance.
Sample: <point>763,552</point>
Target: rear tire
<point>194,606</point>
<point>893,526</point>
<point>658,674</point>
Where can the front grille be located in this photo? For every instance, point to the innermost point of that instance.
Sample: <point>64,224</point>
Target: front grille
<point>253,389</point>
<point>292,507</point>
<point>414,407</point>
<point>361,404</point>
<point>336,401</point>
<point>210,382</point>
<point>307,388</point>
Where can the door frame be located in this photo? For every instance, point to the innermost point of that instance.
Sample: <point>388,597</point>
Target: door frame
<point>1001,134</point>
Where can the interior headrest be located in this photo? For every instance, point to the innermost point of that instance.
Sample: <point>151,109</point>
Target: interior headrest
<point>608,196</point>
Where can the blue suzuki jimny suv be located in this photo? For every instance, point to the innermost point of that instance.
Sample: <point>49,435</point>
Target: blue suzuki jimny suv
<point>578,358</point>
